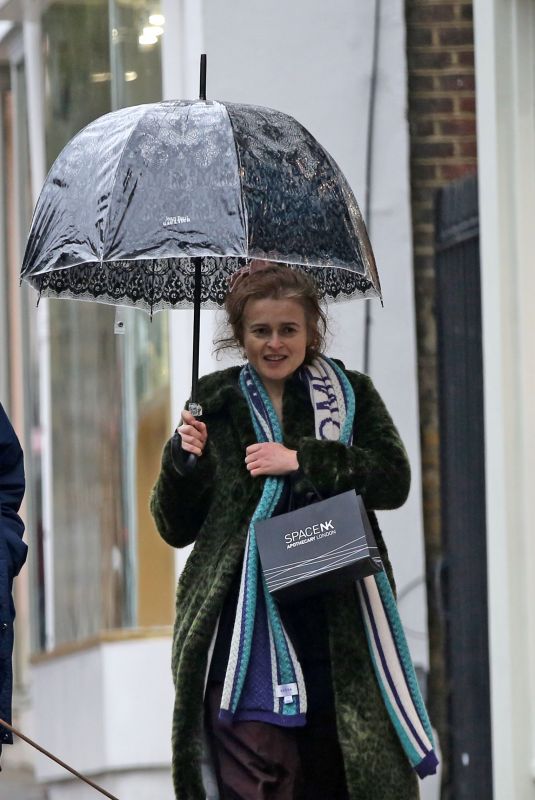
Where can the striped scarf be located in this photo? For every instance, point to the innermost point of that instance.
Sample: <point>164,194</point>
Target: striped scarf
<point>264,680</point>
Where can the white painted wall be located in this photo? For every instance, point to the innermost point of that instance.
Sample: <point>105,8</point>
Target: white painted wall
<point>505,78</point>
<point>106,711</point>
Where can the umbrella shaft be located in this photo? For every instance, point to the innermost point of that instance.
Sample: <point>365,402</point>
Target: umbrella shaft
<point>196,329</point>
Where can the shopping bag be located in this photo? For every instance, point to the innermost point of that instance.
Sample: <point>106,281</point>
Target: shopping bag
<point>317,548</point>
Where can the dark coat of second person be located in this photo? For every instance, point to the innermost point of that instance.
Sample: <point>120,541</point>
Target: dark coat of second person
<point>12,557</point>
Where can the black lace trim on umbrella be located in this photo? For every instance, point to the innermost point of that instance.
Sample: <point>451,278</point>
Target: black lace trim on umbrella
<point>157,284</point>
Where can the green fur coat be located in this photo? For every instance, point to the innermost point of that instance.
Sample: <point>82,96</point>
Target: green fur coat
<point>212,506</point>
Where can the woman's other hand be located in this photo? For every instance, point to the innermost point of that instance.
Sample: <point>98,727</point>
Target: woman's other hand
<point>270,458</point>
<point>193,434</point>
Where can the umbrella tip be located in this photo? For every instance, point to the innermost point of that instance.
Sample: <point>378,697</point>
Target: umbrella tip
<point>202,83</point>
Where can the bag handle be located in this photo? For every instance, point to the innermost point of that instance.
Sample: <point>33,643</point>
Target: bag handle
<point>293,477</point>
<point>57,760</point>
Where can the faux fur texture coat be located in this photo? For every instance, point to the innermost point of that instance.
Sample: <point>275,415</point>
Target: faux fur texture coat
<point>212,506</point>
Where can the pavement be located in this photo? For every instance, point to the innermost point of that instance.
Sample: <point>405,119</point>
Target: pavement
<point>19,784</point>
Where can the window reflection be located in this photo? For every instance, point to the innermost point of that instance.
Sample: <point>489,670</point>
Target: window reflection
<point>76,48</point>
<point>136,32</point>
<point>136,52</point>
<point>110,394</point>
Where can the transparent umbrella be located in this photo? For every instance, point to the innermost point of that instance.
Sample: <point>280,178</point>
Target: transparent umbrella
<point>156,206</point>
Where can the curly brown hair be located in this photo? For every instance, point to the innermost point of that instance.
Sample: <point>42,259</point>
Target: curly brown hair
<point>274,281</point>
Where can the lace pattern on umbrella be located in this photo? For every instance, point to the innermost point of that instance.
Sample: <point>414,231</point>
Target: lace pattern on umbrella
<point>155,284</point>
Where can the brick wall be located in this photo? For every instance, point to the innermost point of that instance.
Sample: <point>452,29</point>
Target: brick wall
<point>442,121</point>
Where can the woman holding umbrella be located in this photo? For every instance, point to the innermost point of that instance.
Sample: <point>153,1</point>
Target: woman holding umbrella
<point>346,729</point>
<point>161,217</point>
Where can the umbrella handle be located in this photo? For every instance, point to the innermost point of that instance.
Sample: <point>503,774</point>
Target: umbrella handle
<point>189,463</point>
<point>191,460</point>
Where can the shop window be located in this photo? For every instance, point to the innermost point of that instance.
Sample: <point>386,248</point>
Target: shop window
<point>110,394</point>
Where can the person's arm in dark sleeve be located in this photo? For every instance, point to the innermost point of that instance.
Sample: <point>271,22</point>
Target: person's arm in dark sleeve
<point>12,556</point>
<point>12,485</point>
<point>375,465</point>
<point>181,496</point>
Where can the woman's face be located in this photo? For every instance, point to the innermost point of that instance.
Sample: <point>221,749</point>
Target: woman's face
<point>274,338</point>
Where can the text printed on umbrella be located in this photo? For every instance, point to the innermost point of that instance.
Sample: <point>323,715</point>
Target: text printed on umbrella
<point>176,220</point>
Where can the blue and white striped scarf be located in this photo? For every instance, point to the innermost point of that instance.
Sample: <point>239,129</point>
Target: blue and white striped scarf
<point>264,680</point>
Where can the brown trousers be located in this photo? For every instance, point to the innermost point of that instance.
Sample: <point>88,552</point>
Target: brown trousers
<point>258,761</point>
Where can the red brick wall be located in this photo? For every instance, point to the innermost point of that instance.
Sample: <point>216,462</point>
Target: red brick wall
<point>442,121</point>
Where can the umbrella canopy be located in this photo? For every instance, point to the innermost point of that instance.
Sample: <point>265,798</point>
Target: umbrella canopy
<point>143,196</point>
